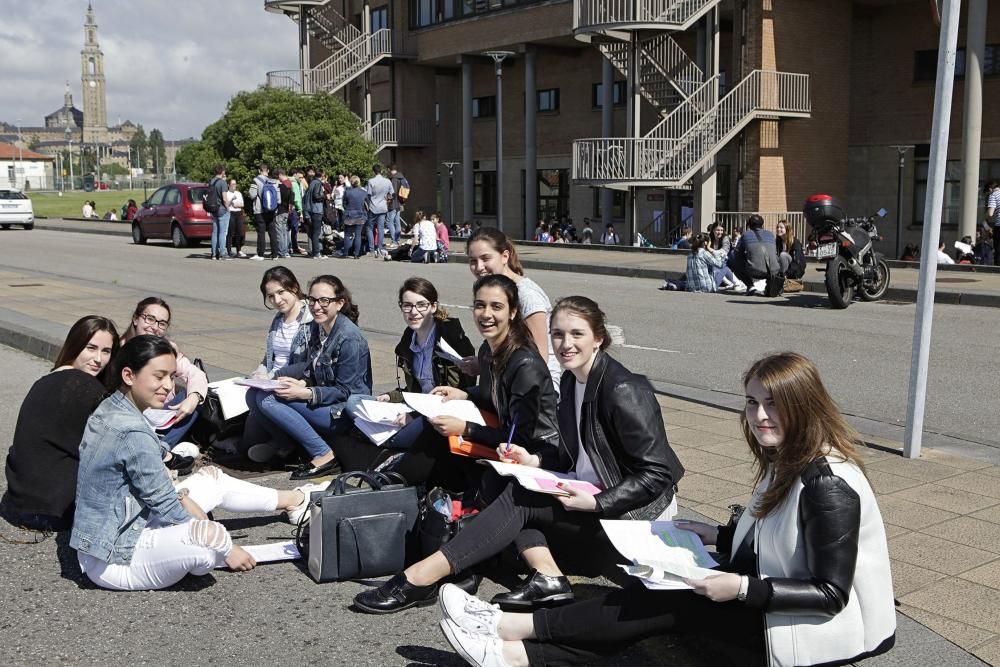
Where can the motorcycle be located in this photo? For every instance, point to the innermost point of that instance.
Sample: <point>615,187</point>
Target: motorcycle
<point>846,246</point>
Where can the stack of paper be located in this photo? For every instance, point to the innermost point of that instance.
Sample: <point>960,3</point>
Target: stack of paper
<point>376,419</point>
<point>271,553</point>
<point>662,554</point>
<point>446,351</point>
<point>259,383</point>
<point>432,405</point>
<point>543,481</point>
<point>232,397</point>
<point>160,419</point>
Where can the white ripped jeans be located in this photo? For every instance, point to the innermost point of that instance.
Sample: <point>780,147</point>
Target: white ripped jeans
<point>166,554</point>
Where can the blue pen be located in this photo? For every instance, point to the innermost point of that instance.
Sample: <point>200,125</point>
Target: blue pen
<point>510,438</point>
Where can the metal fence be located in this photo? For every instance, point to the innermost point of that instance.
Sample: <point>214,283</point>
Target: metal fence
<point>731,219</point>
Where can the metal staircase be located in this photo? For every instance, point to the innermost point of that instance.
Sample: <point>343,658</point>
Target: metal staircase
<point>667,74</point>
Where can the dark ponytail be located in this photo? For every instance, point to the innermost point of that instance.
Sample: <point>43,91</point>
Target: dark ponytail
<point>587,310</point>
<point>350,309</point>
<point>519,334</point>
<point>499,242</point>
<point>135,354</point>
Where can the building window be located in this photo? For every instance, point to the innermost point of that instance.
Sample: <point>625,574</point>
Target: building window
<point>484,107</point>
<point>989,170</point>
<point>380,18</point>
<point>548,100</point>
<point>617,204</point>
<point>425,13</point>
<point>379,115</point>
<point>925,63</point>
<point>484,193</point>
<point>553,194</point>
<point>619,94</point>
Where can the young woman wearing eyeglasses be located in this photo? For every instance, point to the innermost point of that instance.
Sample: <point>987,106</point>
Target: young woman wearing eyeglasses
<point>152,317</point>
<point>418,358</point>
<point>310,404</point>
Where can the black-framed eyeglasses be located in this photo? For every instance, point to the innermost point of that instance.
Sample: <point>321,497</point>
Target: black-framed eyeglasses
<point>323,301</point>
<point>420,306</point>
<point>152,321</point>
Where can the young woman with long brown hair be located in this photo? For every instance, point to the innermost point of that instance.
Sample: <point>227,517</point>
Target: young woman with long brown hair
<point>807,581</point>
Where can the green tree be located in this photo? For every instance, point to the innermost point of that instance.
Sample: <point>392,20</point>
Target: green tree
<point>281,129</point>
<point>157,150</point>
<point>34,143</point>
<point>138,145</point>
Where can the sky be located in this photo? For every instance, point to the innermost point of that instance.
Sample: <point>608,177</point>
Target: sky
<point>168,64</point>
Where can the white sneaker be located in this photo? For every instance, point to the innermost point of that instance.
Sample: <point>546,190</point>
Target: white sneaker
<point>257,258</point>
<point>469,612</point>
<point>296,513</point>
<point>478,650</point>
<point>241,254</point>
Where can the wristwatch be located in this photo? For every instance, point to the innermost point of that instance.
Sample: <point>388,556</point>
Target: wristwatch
<point>741,595</point>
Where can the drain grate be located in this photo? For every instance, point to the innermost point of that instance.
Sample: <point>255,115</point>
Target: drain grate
<point>27,285</point>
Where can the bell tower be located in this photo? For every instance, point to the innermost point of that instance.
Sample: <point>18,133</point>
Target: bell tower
<point>95,110</point>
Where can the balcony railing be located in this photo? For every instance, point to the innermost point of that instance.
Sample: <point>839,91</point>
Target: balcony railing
<point>392,132</point>
<point>732,219</point>
<point>605,15</point>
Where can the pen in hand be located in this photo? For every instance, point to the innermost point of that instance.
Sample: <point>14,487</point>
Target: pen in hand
<point>510,437</point>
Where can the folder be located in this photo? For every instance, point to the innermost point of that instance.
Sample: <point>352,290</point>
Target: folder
<point>459,446</point>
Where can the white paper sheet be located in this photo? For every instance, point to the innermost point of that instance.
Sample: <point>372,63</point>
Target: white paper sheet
<point>378,411</point>
<point>232,396</point>
<point>259,383</point>
<point>159,419</point>
<point>446,351</point>
<point>272,552</point>
<point>542,481</point>
<point>431,405</point>
<point>662,551</point>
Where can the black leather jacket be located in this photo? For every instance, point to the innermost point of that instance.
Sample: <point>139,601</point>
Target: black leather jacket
<point>524,390</point>
<point>830,519</point>
<point>621,429</point>
<point>445,373</point>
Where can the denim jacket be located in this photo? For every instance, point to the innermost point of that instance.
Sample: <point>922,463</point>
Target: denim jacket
<point>340,367</point>
<point>122,482</point>
<point>299,344</point>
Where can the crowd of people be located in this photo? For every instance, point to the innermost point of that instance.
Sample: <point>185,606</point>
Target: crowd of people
<point>805,571</point>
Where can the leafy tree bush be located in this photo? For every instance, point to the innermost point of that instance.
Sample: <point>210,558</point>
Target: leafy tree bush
<point>282,129</point>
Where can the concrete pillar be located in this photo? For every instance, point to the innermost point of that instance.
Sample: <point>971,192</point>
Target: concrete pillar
<point>634,130</point>
<point>467,174</point>
<point>304,64</point>
<point>972,124</point>
<point>607,130</point>
<point>530,144</point>
<point>705,185</point>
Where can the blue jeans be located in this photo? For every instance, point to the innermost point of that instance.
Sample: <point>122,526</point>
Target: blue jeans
<point>281,232</point>
<point>220,226</point>
<point>306,425</point>
<point>376,221</point>
<point>316,234</point>
<point>293,224</point>
<point>352,240</point>
<point>404,438</point>
<point>173,435</point>
<point>392,218</point>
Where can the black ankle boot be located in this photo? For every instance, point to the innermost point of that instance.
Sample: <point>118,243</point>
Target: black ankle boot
<point>395,595</point>
<point>538,590</point>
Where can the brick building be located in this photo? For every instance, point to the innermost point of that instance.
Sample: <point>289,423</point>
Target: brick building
<point>739,105</point>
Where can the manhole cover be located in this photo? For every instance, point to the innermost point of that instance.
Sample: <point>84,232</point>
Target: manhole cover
<point>956,280</point>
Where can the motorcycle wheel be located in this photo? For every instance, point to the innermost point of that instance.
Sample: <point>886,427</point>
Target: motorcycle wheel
<point>877,290</point>
<point>839,283</point>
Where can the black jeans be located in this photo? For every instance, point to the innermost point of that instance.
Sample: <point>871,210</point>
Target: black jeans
<point>996,245</point>
<point>585,631</point>
<point>266,231</point>
<point>236,234</point>
<point>315,234</point>
<point>514,515</point>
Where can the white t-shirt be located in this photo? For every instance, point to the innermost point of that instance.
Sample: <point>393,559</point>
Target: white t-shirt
<point>532,299</point>
<point>944,258</point>
<point>281,345</point>
<point>236,201</point>
<point>427,234</point>
<point>584,466</point>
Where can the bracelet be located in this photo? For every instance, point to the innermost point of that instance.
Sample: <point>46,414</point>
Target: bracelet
<point>741,595</point>
<point>183,493</point>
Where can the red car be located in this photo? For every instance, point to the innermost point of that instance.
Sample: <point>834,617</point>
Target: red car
<point>174,212</point>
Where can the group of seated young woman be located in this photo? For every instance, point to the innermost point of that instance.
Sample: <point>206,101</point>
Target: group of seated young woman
<point>709,266</point>
<point>805,576</point>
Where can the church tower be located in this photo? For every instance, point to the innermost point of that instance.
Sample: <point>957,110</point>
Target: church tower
<point>95,110</point>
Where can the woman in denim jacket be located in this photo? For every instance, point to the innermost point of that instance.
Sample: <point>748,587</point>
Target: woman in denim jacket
<point>310,403</point>
<point>286,343</point>
<point>133,530</point>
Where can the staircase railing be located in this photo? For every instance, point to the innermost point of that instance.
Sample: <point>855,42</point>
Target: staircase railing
<point>382,133</point>
<point>602,15</point>
<point>337,70</point>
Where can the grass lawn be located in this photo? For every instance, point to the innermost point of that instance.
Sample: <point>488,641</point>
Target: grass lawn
<point>70,205</point>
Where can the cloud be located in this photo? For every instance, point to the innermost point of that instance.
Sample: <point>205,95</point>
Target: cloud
<point>172,65</point>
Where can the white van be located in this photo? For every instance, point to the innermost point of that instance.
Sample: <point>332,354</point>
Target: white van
<point>15,209</point>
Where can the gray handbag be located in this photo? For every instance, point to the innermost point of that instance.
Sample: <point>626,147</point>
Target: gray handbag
<point>361,532</point>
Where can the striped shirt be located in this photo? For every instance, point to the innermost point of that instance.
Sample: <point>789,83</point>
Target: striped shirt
<point>994,203</point>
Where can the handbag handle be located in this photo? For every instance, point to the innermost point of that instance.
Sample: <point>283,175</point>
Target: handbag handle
<point>374,480</point>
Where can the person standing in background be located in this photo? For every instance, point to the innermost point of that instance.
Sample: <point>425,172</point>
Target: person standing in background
<point>395,205</point>
<point>236,233</point>
<point>380,194</point>
<point>296,216</point>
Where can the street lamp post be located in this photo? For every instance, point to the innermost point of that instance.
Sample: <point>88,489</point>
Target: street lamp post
<point>498,58</point>
<point>901,150</point>
<point>451,189</point>
<point>69,148</point>
<point>19,164</point>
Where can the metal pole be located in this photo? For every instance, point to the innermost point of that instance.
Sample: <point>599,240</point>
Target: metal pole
<point>917,398</point>
<point>69,143</point>
<point>468,210</point>
<point>498,58</point>
<point>451,189</point>
<point>607,130</point>
<point>972,124</point>
<point>899,203</point>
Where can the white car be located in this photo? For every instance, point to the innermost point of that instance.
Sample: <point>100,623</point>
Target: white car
<point>16,209</point>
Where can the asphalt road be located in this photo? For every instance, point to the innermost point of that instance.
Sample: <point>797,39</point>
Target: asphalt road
<point>695,340</point>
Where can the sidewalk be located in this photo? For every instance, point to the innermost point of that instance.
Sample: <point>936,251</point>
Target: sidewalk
<point>955,286</point>
<point>942,511</point>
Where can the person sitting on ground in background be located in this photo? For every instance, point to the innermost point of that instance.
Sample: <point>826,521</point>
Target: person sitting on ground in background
<point>286,343</point>
<point>983,250</point>
<point>444,241</point>
<point>610,236</point>
<point>133,529</point>
<point>911,253</point>
<point>684,242</point>
<point>111,216</point>
<point>942,256</point>
<point>88,210</point>
<point>131,210</point>
<point>557,237</point>
<point>701,263</point>
<point>755,256</point>
<point>789,249</point>
<point>419,361</point>
<point>807,576</point>
<point>309,406</point>
<point>734,239</point>
<point>720,243</point>
<point>45,453</point>
<point>490,251</point>
<point>587,236</point>
<point>539,228</point>
<point>425,234</point>
<point>152,317</point>
<point>615,439</point>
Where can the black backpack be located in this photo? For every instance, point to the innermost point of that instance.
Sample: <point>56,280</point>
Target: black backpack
<point>211,198</point>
